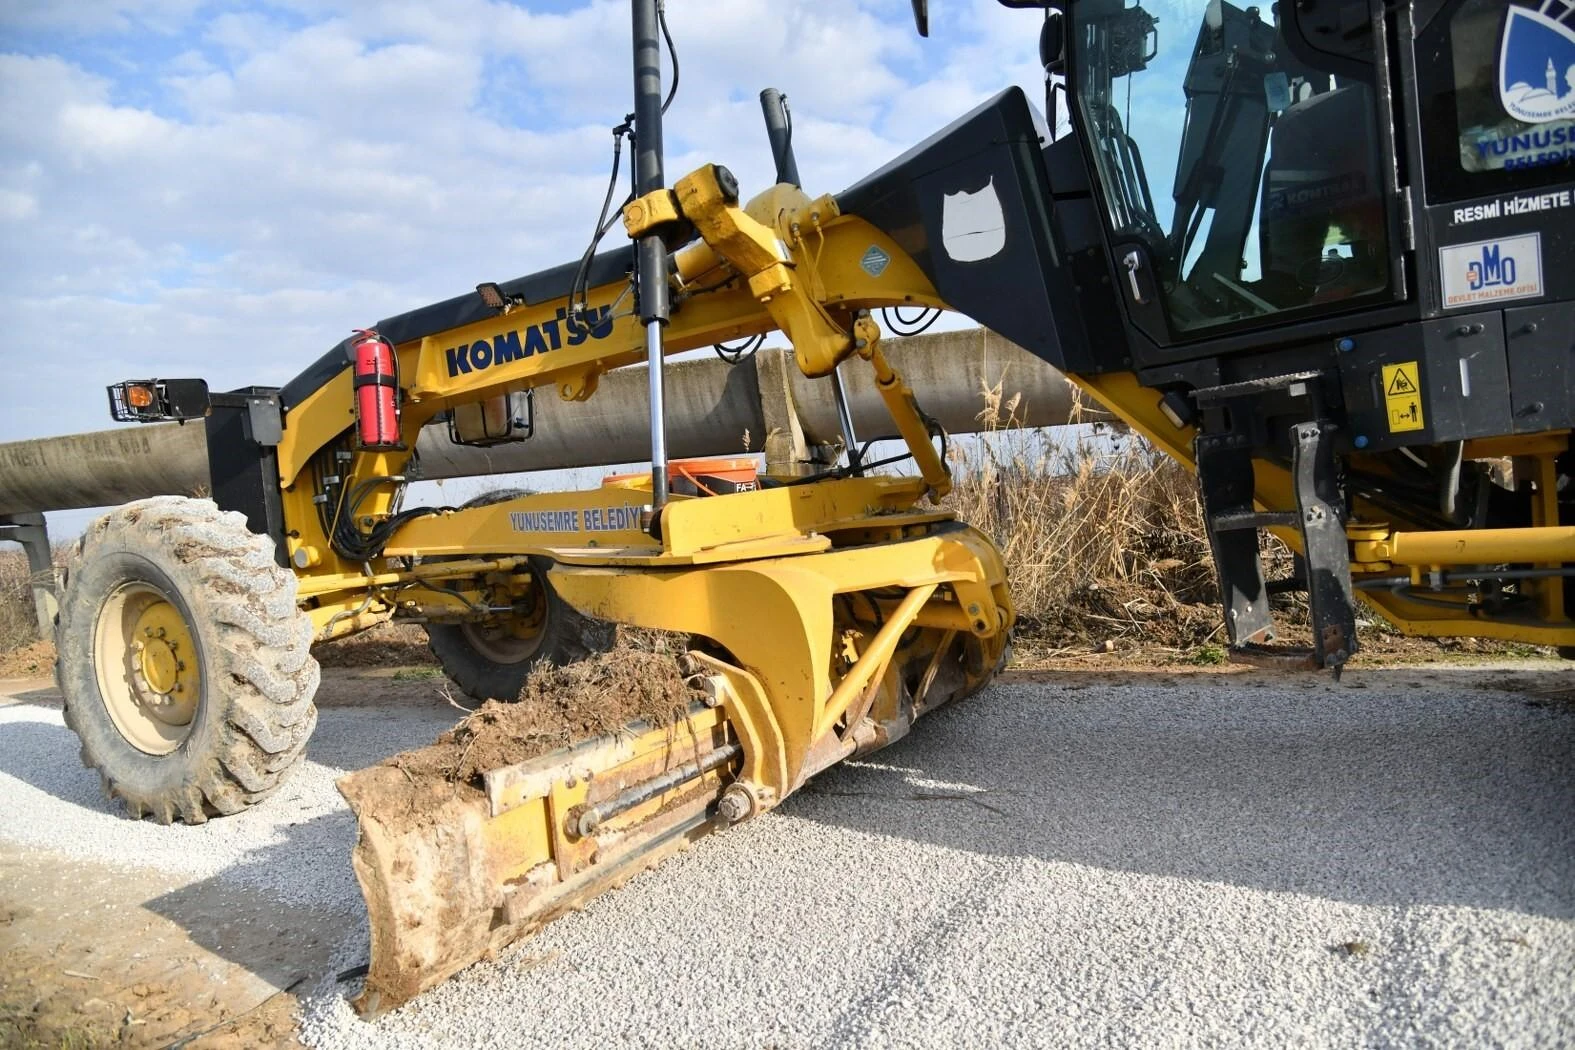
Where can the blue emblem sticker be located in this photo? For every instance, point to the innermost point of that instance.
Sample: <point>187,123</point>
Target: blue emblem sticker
<point>1536,65</point>
<point>874,261</point>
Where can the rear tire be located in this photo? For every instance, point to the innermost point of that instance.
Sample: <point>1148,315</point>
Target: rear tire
<point>489,661</point>
<point>184,662</point>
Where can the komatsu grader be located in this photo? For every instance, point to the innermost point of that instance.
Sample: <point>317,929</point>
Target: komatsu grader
<point>1321,252</point>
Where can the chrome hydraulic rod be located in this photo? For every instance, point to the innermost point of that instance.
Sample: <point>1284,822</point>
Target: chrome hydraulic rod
<point>850,438</point>
<point>585,822</point>
<point>658,394</point>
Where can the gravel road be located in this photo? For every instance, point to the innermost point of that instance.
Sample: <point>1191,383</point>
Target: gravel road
<point>1079,859</point>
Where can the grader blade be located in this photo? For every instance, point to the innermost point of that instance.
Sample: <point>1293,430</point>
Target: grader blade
<point>607,766</point>
<point>453,871</point>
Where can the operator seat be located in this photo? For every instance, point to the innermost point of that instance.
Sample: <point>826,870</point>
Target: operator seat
<point>1322,234</point>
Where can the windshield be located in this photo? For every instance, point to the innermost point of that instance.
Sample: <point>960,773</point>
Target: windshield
<point>1249,175</point>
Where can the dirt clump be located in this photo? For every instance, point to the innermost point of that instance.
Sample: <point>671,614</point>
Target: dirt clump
<point>563,705</point>
<point>559,706</point>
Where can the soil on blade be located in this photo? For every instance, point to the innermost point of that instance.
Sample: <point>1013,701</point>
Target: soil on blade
<point>559,706</point>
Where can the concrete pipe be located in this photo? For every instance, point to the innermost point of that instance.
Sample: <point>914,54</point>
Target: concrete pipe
<point>713,409</point>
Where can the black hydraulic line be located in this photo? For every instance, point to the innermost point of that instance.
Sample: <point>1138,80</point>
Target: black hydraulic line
<point>1454,576</point>
<point>585,822</point>
<point>779,130</point>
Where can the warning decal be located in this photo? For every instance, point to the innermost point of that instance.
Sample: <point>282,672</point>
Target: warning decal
<point>1403,397</point>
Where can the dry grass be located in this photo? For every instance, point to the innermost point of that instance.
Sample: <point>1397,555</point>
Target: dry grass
<point>18,625</point>
<point>1102,535</point>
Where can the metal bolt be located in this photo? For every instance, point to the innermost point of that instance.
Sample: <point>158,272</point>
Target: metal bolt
<point>860,344</point>
<point>973,610</point>
<point>734,805</point>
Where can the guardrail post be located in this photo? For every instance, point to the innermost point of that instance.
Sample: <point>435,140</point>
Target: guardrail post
<point>29,530</point>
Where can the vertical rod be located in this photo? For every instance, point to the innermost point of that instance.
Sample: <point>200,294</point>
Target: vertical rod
<point>779,129</point>
<point>845,417</point>
<point>653,354</point>
<point>650,252</point>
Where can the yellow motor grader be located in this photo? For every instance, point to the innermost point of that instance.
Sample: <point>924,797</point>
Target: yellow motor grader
<point>1330,277</point>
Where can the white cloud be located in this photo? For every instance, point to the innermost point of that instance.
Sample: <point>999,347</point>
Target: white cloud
<point>291,172</point>
<point>16,205</point>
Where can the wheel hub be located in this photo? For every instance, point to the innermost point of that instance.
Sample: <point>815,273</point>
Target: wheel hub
<point>149,675</point>
<point>514,637</point>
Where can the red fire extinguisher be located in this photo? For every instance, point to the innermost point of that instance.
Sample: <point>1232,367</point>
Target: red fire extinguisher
<point>376,384</point>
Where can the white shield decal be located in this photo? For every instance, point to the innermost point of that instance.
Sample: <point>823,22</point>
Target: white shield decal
<point>972,224</point>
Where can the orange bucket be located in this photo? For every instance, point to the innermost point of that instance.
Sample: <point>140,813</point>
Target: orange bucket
<point>698,477</point>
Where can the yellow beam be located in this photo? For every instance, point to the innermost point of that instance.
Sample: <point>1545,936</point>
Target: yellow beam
<point>1553,545</point>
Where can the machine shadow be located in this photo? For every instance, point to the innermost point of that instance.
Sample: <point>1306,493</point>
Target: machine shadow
<point>248,916</point>
<point>283,909</point>
<point>45,756</point>
<point>1346,793</point>
<point>47,696</point>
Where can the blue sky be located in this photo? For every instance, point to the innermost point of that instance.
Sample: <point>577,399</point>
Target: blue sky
<point>226,189</point>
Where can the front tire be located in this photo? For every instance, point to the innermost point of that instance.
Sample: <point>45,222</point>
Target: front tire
<point>184,662</point>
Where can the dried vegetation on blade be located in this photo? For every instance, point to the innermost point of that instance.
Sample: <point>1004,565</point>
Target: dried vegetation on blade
<point>559,706</point>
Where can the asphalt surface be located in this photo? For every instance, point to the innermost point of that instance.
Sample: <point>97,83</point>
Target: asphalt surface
<point>1082,860</point>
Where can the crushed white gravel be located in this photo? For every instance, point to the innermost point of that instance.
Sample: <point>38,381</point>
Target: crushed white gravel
<point>1204,859</point>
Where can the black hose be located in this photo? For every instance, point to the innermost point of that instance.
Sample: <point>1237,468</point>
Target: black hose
<point>736,355</point>
<point>901,326</point>
<point>577,288</point>
<point>672,53</point>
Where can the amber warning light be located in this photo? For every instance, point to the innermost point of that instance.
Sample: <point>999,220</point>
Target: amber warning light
<point>158,400</point>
